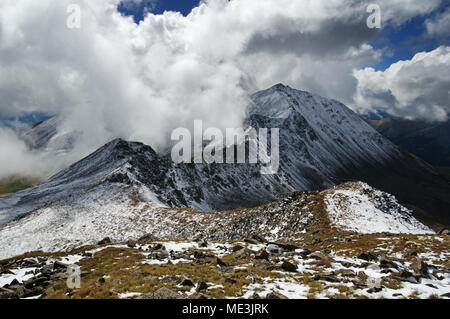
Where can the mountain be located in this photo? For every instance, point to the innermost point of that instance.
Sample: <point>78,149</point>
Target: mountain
<point>322,144</point>
<point>317,144</point>
<point>429,141</point>
<point>377,115</point>
<point>122,214</point>
<point>47,135</point>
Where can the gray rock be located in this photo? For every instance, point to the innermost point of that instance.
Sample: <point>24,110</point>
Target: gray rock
<point>47,269</point>
<point>263,254</point>
<point>162,293</point>
<point>374,290</point>
<point>104,241</point>
<point>369,256</point>
<point>244,253</point>
<point>221,263</point>
<point>131,243</point>
<point>419,268</point>
<point>387,263</point>
<point>330,277</point>
<point>288,266</point>
<point>410,253</point>
<point>275,295</point>
<point>187,282</point>
<point>229,280</point>
<point>6,293</point>
<point>236,248</point>
<point>202,286</point>
<point>147,238</point>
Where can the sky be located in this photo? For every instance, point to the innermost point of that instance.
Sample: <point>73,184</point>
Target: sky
<point>138,69</point>
<point>401,42</point>
<point>138,10</point>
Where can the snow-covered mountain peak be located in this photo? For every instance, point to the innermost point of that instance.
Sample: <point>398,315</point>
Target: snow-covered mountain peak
<point>322,143</point>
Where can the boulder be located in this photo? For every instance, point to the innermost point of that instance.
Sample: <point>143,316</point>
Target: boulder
<point>288,266</point>
<point>275,295</point>
<point>131,243</point>
<point>59,266</point>
<point>147,238</point>
<point>158,246</point>
<point>47,269</point>
<point>255,239</point>
<point>374,290</point>
<point>203,244</point>
<point>201,286</point>
<point>330,277</point>
<point>419,268</point>
<point>230,281</point>
<point>305,253</point>
<point>263,254</point>
<point>162,293</point>
<point>104,241</point>
<point>410,253</point>
<point>387,263</point>
<point>321,259</point>
<point>285,247</point>
<point>346,273</point>
<point>236,248</point>
<point>6,293</point>
<point>199,254</point>
<point>369,256</point>
<point>362,276</point>
<point>187,282</point>
<point>244,253</point>
<point>221,263</point>
<point>274,249</point>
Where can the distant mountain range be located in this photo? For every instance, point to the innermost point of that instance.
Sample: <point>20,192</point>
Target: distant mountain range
<point>322,144</point>
<point>429,141</point>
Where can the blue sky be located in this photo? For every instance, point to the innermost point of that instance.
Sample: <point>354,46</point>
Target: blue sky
<point>401,43</point>
<point>158,7</point>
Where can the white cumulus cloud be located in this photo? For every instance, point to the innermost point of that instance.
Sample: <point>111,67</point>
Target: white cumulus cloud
<point>114,78</point>
<point>418,88</point>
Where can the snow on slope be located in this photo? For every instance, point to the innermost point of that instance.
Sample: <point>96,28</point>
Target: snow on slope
<point>69,184</point>
<point>98,214</point>
<point>321,143</point>
<point>122,212</point>
<point>360,208</point>
<point>333,135</point>
<point>48,136</point>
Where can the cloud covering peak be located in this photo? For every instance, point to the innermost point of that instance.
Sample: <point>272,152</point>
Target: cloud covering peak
<point>115,78</point>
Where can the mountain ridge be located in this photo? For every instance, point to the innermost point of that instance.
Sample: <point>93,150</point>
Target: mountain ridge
<point>322,144</point>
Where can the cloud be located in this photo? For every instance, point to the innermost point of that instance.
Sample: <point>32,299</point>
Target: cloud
<point>418,88</point>
<point>439,26</point>
<point>15,157</point>
<point>114,78</point>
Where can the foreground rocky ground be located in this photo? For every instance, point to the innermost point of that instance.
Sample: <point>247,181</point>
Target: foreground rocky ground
<point>343,266</point>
